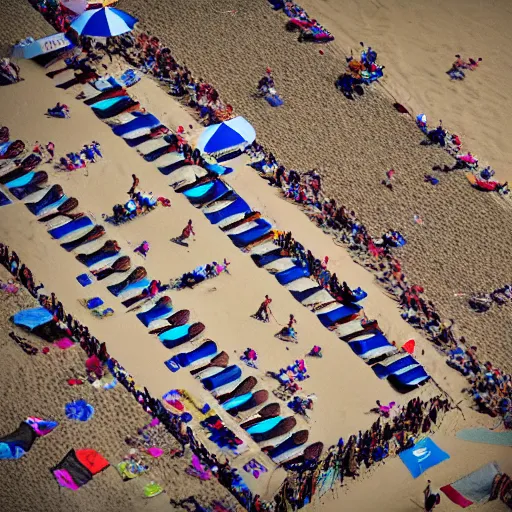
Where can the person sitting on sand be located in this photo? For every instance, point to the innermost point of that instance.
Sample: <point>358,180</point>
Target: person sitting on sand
<point>142,249</point>
<point>389,176</point>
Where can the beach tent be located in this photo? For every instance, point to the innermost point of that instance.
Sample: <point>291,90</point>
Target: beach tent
<point>228,138</point>
<point>422,456</point>
<point>104,22</point>
<point>473,488</point>
<point>29,48</point>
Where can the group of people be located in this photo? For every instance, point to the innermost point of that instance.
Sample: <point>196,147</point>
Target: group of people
<point>456,72</point>
<point>482,179</point>
<point>482,302</point>
<point>139,203</point>
<point>18,270</point>
<point>78,160</point>
<point>490,388</point>
<point>200,274</point>
<point>376,254</point>
<point>9,72</point>
<point>384,438</point>
<point>99,361</point>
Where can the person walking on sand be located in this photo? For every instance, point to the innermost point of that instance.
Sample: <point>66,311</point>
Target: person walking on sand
<point>134,186</point>
<point>264,312</point>
<point>431,498</point>
<point>187,231</point>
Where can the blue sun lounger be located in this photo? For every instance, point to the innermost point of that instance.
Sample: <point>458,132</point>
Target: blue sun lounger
<point>237,206</point>
<point>245,238</point>
<point>226,376</point>
<point>292,274</point>
<point>155,313</point>
<point>410,378</point>
<point>405,363</point>
<point>141,121</point>
<point>372,347</point>
<point>207,193</point>
<point>184,359</point>
<point>237,401</point>
<point>74,225</point>
<point>269,257</point>
<point>344,311</point>
<point>264,426</point>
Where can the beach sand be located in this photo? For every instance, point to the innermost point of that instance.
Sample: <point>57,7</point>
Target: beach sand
<point>20,22</point>
<point>365,145</point>
<point>463,245</point>
<point>36,386</point>
<point>223,304</point>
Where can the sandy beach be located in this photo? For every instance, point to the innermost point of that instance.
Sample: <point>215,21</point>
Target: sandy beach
<point>353,144</point>
<point>457,249</point>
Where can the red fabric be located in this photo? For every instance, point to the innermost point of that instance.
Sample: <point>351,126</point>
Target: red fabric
<point>409,346</point>
<point>456,496</point>
<point>92,460</point>
<point>486,185</point>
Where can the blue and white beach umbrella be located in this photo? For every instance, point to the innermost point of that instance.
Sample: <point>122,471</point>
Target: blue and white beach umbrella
<point>104,22</point>
<point>231,135</point>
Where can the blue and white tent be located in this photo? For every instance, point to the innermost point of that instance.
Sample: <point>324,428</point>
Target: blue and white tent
<point>226,139</point>
<point>104,22</point>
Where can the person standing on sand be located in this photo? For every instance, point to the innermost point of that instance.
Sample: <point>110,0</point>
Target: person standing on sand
<point>431,498</point>
<point>134,186</point>
<point>264,312</point>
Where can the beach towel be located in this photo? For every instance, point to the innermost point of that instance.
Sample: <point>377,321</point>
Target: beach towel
<point>422,456</point>
<point>78,467</point>
<point>32,318</point>
<point>473,488</point>
<point>486,436</point>
<point>79,410</point>
<point>19,442</point>
<point>84,279</point>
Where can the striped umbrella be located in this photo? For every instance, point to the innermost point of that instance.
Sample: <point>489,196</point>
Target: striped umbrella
<point>105,22</point>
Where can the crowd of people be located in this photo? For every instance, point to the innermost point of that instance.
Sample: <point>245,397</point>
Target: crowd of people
<point>384,438</point>
<point>99,361</point>
<point>376,254</point>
